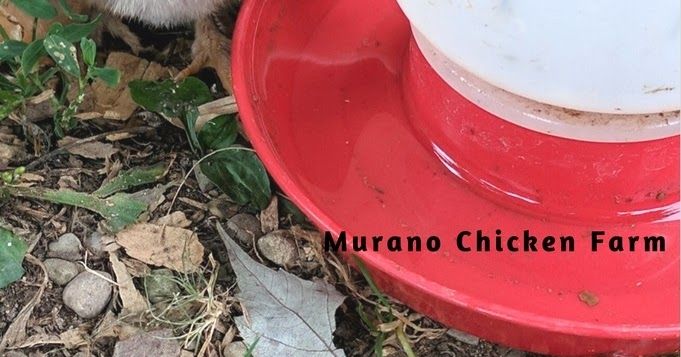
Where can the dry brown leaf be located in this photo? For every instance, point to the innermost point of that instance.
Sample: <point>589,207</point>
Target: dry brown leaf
<point>91,150</point>
<point>31,177</point>
<point>135,267</point>
<point>108,326</point>
<point>116,103</point>
<point>70,339</point>
<point>133,301</point>
<point>196,204</point>
<point>175,248</point>
<point>88,116</point>
<point>269,218</point>
<point>120,136</point>
<point>175,219</point>
<point>205,184</point>
<point>68,183</point>
<point>11,148</point>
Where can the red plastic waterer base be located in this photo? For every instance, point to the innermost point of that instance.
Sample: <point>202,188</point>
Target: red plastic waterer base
<point>365,138</point>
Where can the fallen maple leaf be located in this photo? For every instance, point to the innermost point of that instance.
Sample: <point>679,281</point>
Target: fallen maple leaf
<point>287,316</point>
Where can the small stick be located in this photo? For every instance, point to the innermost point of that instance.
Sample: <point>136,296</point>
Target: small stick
<point>63,149</point>
<point>211,110</point>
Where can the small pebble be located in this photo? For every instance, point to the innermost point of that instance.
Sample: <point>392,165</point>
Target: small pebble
<point>61,271</point>
<point>245,228</point>
<point>160,285</point>
<point>156,343</point>
<point>66,247</point>
<point>88,294</point>
<point>278,247</point>
<point>94,243</point>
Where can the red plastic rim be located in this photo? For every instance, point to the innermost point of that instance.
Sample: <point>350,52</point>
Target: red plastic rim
<point>320,90</point>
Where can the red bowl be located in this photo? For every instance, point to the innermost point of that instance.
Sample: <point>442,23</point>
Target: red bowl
<point>367,139</point>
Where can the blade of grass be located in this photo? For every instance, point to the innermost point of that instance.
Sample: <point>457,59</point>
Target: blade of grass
<point>372,285</point>
<point>251,348</point>
<point>404,342</point>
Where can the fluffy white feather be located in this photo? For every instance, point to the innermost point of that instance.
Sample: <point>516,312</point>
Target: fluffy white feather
<point>162,12</point>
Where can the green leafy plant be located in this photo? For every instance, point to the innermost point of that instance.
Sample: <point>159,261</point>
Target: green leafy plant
<point>12,251</point>
<point>119,209</point>
<point>11,176</point>
<point>195,311</point>
<point>235,169</point>
<point>66,45</point>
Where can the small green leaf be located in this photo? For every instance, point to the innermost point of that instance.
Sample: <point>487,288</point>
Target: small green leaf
<point>6,84</point>
<point>41,9</point>
<point>219,133</point>
<point>120,211</point>
<point>63,53</point>
<point>76,32</point>
<point>89,49</point>
<point>12,251</point>
<point>110,76</point>
<point>72,15</point>
<point>55,29</point>
<point>10,101</point>
<point>131,178</point>
<point>240,174</point>
<point>169,98</point>
<point>48,74</point>
<point>11,49</point>
<point>32,54</point>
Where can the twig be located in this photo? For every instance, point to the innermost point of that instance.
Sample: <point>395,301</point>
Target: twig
<point>211,110</point>
<point>65,148</point>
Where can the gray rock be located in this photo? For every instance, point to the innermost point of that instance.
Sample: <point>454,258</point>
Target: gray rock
<point>278,247</point>
<point>94,243</point>
<point>88,294</point>
<point>156,343</point>
<point>245,228</point>
<point>160,285</point>
<point>66,247</point>
<point>61,271</point>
